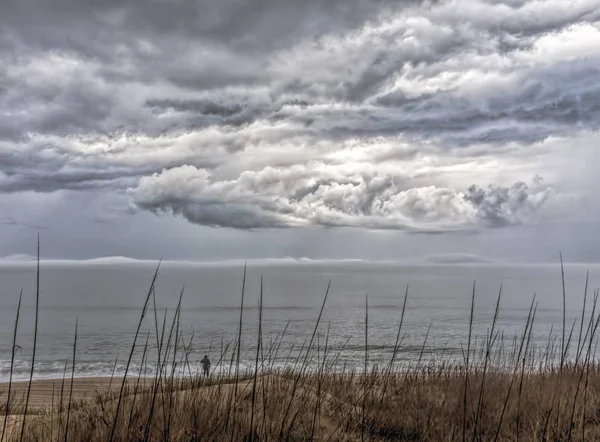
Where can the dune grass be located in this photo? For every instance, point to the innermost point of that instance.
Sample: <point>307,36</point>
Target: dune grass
<point>499,391</point>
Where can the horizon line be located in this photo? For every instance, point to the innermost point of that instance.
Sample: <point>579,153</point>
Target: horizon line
<point>441,259</point>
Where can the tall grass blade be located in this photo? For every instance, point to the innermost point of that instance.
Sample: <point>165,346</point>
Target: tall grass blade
<point>72,379</point>
<point>365,374</point>
<point>137,332</point>
<point>466,384</point>
<point>12,366</point>
<point>35,335</point>
<point>260,307</point>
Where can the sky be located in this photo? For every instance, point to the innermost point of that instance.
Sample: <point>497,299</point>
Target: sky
<point>363,129</point>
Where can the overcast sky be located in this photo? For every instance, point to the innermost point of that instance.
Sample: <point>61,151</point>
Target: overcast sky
<point>368,129</point>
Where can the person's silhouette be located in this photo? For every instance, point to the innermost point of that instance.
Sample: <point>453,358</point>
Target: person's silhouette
<point>205,365</point>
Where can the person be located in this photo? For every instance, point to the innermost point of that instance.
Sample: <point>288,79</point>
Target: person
<point>205,365</point>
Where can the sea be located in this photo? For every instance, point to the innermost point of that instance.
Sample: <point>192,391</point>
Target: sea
<point>363,310</point>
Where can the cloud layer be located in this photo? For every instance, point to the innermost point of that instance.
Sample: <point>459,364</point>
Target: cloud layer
<point>300,196</point>
<point>415,115</point>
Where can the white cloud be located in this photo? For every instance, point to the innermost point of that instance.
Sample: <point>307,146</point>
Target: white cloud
<point>318,195</point>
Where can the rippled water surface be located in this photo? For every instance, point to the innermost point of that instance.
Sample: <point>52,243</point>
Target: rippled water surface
<point>108,298</point>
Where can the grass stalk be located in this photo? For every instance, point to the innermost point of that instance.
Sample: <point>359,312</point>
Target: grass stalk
<point>466,384</point>
<point>113,372</point>
<point>516,367</point>
<point>365,374</point>
<point>579,343</point>
<point>260,308</point>
<point>137,383</point>
<point>72,380</point>
<point>238,350</point>
<point>137,332</point>
<point>304,362</point>
<point>62,388</point>
<point>488,351</point>
<point>35,335</point>
<point>12,366</point>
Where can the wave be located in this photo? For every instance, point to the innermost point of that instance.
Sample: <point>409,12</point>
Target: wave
<point>349,358</point>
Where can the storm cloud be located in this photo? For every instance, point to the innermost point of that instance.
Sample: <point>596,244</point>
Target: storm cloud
<point>423,116</point>
<point>322,196</point>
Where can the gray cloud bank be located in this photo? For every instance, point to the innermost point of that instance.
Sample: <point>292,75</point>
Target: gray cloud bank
<point>298,197</point>
<point>414,115</point>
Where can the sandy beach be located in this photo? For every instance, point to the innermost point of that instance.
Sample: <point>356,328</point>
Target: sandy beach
<point>46,391</point>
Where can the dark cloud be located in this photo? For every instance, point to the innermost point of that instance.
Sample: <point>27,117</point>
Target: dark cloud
<point>255,24</point>
<point>262,113</point>
<point>79,180</point>
<point>136,60</point>
<point>501,206</point>
<point>203,107</point>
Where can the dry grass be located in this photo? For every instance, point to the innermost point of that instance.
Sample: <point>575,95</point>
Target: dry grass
<point>496,392</point>
<point>422,406</point>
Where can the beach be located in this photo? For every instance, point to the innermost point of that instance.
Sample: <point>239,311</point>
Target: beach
<point>46,392</point>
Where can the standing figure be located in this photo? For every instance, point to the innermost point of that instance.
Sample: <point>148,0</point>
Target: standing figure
<point>205,365</point>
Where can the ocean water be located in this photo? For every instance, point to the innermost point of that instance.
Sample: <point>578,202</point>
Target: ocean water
<point>107,298</point>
